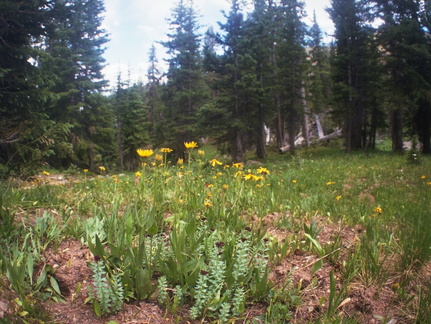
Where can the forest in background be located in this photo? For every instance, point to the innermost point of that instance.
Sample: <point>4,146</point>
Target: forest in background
<point>266,70</point>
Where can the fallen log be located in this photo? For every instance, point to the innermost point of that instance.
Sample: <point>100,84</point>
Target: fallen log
<point>337,133</point>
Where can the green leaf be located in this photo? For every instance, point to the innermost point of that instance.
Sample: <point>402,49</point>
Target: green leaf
<point>54,285</point>
<point>316,267</point>
<point>96,307</point>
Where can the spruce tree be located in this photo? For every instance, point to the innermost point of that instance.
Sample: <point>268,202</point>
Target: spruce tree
<point>404,37</point>
<point>186,90</point>
<point>291,65</point>
<point>74,43</point>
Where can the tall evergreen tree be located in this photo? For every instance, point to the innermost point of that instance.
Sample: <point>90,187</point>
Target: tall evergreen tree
<point>26,134</point>
<point>186,90</point>
<point>74,43</point>
<point>291,64</point>
<point>404,36</point>
<point>350,69</point>
<point>232,114</point>
<point>156,108</point>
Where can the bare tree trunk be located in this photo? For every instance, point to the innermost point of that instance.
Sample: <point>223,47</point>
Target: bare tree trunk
<point>305,127</point>
<point>260,140</point>
<point>320,132</point>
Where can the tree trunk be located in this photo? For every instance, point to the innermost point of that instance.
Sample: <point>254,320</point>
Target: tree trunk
<point>279,129</point>
<point>260,140</point>
<point>305,127</point>
<point>397,130</point>
<point>320,132</point>
<point>423,126</point>
<point>237,146</point>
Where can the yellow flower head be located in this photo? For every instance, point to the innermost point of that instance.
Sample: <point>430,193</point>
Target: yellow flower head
<point>338,197</point>
<point>159,157</point>
<point>423,177</point>
<point>207,203</point>
<point>46,173</point>
<point>294,181</point>
<point>201,152</point>
<point>165,150</point>
<point>215,162</point>
<point>180,161</point>
<point>238,173</point>
<point>85,170</point>
<point>225,186</point>
<point>330,183</point>
<point>138,174</point>
<point>238,165</point>
<point>102,168</point>
<point>144,153</point>
<point>190,145</point>
<point>262,170</point>
<point>378,210</point>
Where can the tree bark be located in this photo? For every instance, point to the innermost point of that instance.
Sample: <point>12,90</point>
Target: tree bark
<point>397,130</point>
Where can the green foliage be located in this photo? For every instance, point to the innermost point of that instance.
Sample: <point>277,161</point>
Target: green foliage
<point>107,293</point>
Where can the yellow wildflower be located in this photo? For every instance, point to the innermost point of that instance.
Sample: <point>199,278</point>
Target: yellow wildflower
<point>159,157</point>
<point>207,203</point>
<point>330,183</point>
<point>180,161</point>
<point>429,183</point>
<point>262,170</point>
<point>138,174</point>
<point>85,170</point>
<point>238,173</point>
<point>238,165</point>
<point>144,153</point>
<point>201,152</point>
<point>225,186</point>
<point>102,168</point>
<point>378,210</point>
<point>338,197</point>
<point>165,150</point>
<point>294,181</point>
<point>46,173</point>
<point>226,166</point>
<point>215,162</point>
<point>210,185</point>
<point>190,145</point>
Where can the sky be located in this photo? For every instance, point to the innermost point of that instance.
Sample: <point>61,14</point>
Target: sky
<point>135,25</point>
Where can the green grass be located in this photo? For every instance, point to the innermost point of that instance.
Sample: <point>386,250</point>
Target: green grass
<point>199,230</point>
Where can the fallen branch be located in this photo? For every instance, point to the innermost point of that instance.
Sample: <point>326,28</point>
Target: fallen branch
<point>337,133</point>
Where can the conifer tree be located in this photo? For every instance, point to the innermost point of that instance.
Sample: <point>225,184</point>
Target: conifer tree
<point>74,43</point>
<point>186,90</point>
<point>291,65</point>
<point>26,133</point>
<point>404,37</point>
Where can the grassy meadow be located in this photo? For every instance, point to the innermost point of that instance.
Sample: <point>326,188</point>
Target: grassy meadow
<point>321,237</point>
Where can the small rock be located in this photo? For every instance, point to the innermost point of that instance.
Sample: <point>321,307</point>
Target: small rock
<point>3,306</point>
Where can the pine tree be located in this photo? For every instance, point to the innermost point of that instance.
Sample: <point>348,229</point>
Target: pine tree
<point>186,90</point>
<point>351,69</point>
<point>291,67</point>
<point>27,136</point>
<point>407,55</point>
<point>154,101</point>
<point>74,43</point>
